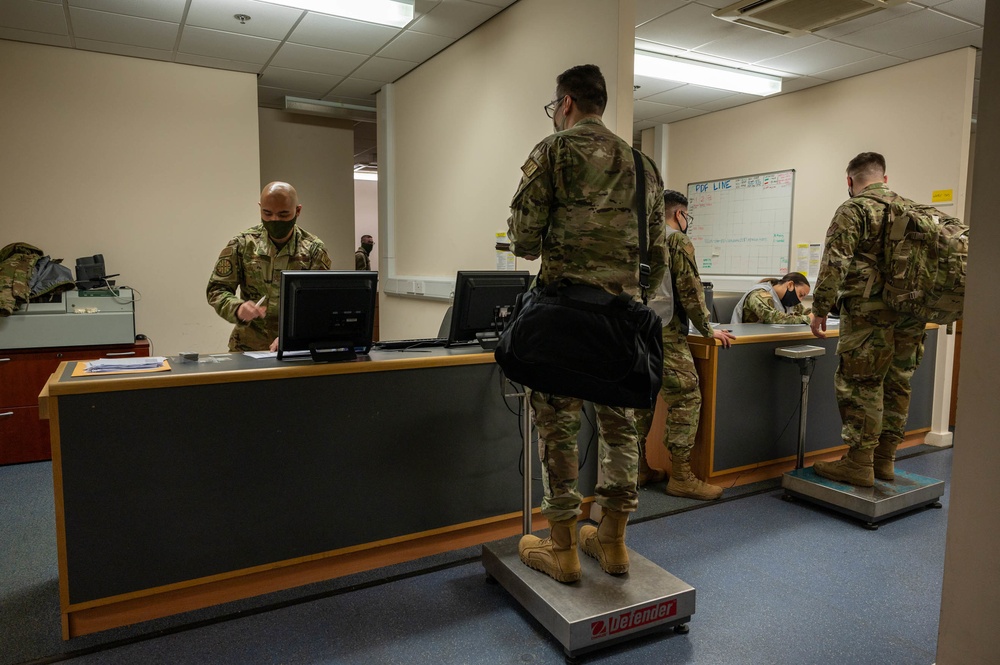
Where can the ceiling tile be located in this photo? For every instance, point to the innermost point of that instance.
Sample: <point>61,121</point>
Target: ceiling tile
<point>643,110</point>
<point>266,20</point>
<point>858,68</point>
<point>121,29</point>
<point>383,69</point>
<point>454,18</point>
<point>715,4</point>
<point>729,102</point>
<point>818,57</point>
<point>751,45</point>
<point>868,21</point>
<point>927,49</point>
<point>688,27</point>
<point>226,45</point>
<point>293,79</point>
<point>161,10</point>
<point>275,97</point>
<point>217,63</point>
<point>690,95</point>
<point>970,10</point>
<point>34,37</point>
<point>649,86</point>
<point>33,16</point>
<point>899,33</point>
<point>124,49</point>
<point>341,34</point>
<point>647,10</point>
<point>496,3</point>
<point>357,89</point>
<point>415,46</point>
<point>315,59</point>
<point>683,114</point>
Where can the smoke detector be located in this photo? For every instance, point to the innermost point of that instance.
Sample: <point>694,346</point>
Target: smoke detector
<point>794,18</point>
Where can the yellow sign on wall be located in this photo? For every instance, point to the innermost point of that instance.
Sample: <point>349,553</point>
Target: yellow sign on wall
<point>941,196</point>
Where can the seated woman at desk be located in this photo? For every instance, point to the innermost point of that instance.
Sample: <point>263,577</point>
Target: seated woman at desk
<point>775,301</point>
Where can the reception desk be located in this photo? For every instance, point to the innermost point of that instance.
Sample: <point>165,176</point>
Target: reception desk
<point>750,398</point>
<point>221,480</point>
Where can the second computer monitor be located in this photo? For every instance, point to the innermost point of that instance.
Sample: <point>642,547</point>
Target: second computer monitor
<point>482,297</point>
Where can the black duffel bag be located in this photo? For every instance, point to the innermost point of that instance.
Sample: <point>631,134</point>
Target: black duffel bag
<point>580,341</point>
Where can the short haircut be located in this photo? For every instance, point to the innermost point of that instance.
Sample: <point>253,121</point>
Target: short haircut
<point>585,84</point>
<point>867,165</point>
<point>672,200</point>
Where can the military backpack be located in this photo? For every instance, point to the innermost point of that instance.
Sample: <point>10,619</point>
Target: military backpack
<point>923,261</point>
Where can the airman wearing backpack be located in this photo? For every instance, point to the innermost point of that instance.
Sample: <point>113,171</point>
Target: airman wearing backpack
<point>879,347</point>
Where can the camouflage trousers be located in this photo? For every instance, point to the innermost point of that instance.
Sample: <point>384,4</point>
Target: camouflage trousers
<point>879,350</point>
<point>682,395</point>
<point>557,419</point>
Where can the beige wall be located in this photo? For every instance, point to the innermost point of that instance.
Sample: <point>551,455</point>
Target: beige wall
<point>315,155</point>
<point>463,123</point>
<point>153,164</point>
<point>970,604</point>
<point>817,131</point>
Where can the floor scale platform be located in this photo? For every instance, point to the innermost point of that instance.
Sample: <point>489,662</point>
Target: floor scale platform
<point>600,609</point>
<point>871,505</point>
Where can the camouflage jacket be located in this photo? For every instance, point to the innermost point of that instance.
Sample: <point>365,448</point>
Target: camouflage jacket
<point>856,229</point>
<point>361,260</point>
<point>575,208</point>
<point>20,281</point>
<point>250,262</point>
<point>689,294</point>
<point>759,307</point>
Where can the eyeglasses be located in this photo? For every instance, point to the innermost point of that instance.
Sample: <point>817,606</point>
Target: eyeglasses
<point>550,108</point>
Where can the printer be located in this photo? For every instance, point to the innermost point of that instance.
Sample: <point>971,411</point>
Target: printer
<point>79,318</point>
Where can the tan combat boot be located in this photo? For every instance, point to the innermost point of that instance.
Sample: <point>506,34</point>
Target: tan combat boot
<point>648,474</point>
<point>684,483</point>
<point>556,555</point>
<point>606,542</point>
<point>854,468</point>
<point>885,456</point>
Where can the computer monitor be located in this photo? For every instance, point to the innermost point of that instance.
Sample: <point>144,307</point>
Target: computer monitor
<point>329,314</point>
<point>483,300</point>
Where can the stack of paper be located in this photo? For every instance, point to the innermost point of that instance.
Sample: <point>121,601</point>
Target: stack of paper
<point>120,364</point>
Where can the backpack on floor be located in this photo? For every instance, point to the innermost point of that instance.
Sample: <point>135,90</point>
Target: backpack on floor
<point>925,253</point>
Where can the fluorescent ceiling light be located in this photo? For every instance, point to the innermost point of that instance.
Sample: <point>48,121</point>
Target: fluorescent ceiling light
<point>387,12</point>
<point>365,176</point>
<point>669,68</point>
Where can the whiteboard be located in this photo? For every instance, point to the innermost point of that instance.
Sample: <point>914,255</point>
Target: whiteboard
<point>742,226</point>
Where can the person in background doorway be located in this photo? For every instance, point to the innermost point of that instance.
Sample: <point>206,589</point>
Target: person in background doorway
<point>362,257</point>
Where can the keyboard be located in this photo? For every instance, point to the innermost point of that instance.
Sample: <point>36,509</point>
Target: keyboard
<point>397,344</point>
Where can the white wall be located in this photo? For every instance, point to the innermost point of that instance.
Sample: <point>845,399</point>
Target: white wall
<point>315,155</point>
<point>970,604</point>
<point>924,137</point>
<point>455,131</point>
<point>152,164</point>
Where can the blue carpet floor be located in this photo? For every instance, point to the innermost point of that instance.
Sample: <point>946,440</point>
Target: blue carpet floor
<point>777,583</point>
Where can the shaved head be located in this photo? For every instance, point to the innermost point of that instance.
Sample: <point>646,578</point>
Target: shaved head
<point>279,194</point>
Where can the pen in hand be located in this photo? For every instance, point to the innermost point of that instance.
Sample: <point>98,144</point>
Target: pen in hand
<point>261,301</point>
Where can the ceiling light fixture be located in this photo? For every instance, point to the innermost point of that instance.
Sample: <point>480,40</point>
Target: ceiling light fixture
<point>670,68</point>
<point>396,13</point>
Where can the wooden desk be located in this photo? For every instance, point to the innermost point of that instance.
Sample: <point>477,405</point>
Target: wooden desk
<point>213,482</point>
<point>750,398</point>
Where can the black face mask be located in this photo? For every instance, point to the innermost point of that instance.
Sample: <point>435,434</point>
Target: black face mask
<point>278,229</point>
<point>791,298</point>
<point>367,246</point>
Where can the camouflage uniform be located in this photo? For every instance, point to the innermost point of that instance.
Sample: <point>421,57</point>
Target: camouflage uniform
<point>680,379</point>
<point>879,349</point>
<point>361,259</point>
<point>575,209</point>
<point>759,307</point>
<point>251,263</point>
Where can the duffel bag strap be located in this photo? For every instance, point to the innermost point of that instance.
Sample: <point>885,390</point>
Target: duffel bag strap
<point>640,204</point>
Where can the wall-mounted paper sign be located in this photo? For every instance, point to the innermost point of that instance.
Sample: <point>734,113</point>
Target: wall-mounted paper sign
<point>942,196</point>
